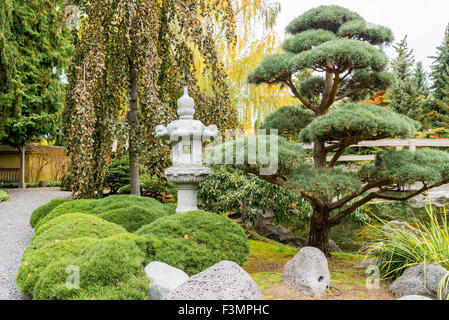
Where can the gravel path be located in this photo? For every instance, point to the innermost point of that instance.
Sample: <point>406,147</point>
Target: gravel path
<point>16,233</point>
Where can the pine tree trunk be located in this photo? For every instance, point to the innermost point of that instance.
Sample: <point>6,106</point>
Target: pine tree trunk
<point>132,117</point>
<point>22,183</point>
<point>320,230</point>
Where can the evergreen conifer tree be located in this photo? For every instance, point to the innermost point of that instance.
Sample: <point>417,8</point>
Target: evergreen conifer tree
<point>404,96</point>
<point>34,49</point>
<point>440,77</point>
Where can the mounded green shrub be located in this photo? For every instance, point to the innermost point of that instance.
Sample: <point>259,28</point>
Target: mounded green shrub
<point>81,226</point>
<point>129,211</point>
<point>194,241</point>
<point>80,206</point>
<point>34,261</point>
<point>109,269</point>
<point>44,210</point>
<point>170,208</point>
<point>133,218</point>
<point>58,220</point>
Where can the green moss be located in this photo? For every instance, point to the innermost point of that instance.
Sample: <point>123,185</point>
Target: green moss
<point>194,241</point>
<point>267,280</point>
<point>44,210</point>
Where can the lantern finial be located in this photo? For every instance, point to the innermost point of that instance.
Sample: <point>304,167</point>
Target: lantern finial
<point>186,105</point>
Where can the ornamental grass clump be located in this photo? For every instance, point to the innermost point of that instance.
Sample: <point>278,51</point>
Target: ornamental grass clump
<point>403,248</point>
<point>195,241</point>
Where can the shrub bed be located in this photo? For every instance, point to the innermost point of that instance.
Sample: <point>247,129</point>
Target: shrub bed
<point>194,241</point>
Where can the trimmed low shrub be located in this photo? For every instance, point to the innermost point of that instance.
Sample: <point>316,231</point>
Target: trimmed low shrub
<point>194,241</point>
<point>170,208</point>
<point>82,226</point>
<point>80,206</point>
<point>3,196</point>
<point>129,211</point>
<point>44,210</point>
<point>109,269</point>
<point>34,261</point>
<point>133,218</point>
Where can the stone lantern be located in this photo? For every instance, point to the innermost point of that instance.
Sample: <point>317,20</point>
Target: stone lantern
<point>187,136</point>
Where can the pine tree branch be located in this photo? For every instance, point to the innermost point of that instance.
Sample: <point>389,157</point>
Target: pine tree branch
<point>295,92</point>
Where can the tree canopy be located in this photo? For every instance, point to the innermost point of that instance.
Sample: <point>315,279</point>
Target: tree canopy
<point>334,41</point>
<point>34,49</point>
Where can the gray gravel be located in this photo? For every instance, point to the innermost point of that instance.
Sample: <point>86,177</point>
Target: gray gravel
<point>16,233</point>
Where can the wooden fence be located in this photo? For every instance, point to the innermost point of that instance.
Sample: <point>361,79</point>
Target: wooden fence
<point>8,175</point>
<point>411,144</point>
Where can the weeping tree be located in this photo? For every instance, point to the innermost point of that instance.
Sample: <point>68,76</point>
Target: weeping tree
<point>344,53</point>
<point>131,59</point>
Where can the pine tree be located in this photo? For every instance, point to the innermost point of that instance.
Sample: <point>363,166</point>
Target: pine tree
<point>404,96</point>
<point>346,50</point>
<point>34,49</point>
<point>420,78</point>
<point>440,77</point>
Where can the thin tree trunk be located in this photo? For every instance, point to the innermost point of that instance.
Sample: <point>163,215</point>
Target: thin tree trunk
<point>22,183</point>
<point>132,116</point>
<point>320,230</point>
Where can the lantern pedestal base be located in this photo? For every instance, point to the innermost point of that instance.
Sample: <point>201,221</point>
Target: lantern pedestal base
<point>187,197</point>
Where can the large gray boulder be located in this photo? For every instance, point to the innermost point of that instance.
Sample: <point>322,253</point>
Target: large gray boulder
<point>437,198</point>
<point>308,272</point>
<point>163,279</point>
<point>224,281</point>
<point>421,280</point>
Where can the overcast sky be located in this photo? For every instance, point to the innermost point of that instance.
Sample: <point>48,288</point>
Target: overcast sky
<point>423,21</point>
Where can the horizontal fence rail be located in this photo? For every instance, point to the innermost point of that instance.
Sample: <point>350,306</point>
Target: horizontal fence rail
<point>8,175</point>
<point>400,144</point>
